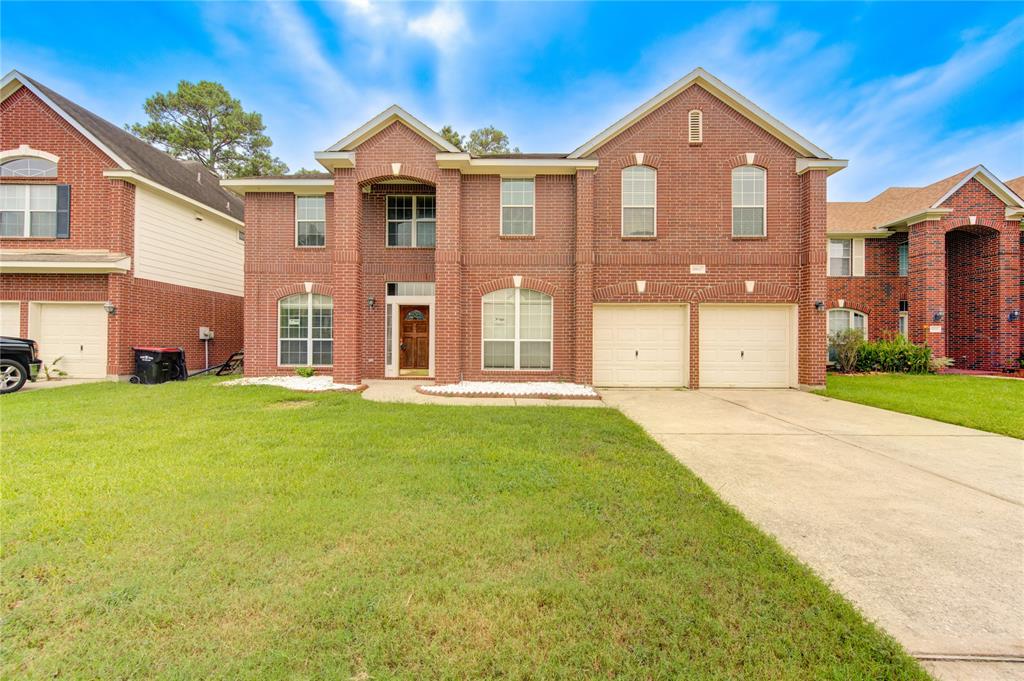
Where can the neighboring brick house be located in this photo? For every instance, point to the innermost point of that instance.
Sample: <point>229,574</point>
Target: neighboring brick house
<point>107,242</point>
<point>683,246</point>
<point>940,264</point>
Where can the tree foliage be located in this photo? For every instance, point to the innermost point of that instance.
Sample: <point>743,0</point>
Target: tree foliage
<point>481,142</point>
<point>203,122</point>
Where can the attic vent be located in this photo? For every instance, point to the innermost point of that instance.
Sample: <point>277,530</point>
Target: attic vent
<point>696,127</point>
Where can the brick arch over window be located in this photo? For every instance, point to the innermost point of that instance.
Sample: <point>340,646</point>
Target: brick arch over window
<point>292,289</point>
<point>762,291</point>
<point>417,173</point>
<point>658,289</point>
<point>854,304</point>
<point>759,160</point>
<point>531,283</point>
<point>627,160</point>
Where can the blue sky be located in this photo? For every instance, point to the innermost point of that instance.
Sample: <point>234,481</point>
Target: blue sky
<point>909,93</point>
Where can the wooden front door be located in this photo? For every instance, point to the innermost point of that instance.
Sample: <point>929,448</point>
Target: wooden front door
<point>414,348</point>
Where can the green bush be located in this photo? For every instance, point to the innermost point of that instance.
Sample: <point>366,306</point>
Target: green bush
<point>305,372</point>
<point>894,355</point>
<point>844,348</point>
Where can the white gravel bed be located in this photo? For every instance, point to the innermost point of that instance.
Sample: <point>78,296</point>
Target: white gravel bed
<point>313,384</point>
<point>500,389</point>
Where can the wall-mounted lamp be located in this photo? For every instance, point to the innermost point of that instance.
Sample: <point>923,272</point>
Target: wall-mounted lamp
<point>937,317</point>
<point>110,308</point>
<point>819,306</point>
<point>371,302</point>
<point>1014,315</point>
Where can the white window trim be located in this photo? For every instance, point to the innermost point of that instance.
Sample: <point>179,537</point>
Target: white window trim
<point>902,324</point>
<point>764,208</point>
<point>25,151</point>
<point>396,302</point>
<point>27,221</point>
<point>622,210</point>
<point>415,200</point>
<point>828,258</point>
<point>502,206</point>
<point>309,339</point>
<point>516,339</point>
<point>296,210</point>
<point>851,312</point>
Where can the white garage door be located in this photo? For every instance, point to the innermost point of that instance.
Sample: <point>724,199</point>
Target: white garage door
<point>75,331</point>
<point>641,345</point>
<point>10,319</point>
<point>747,346</point>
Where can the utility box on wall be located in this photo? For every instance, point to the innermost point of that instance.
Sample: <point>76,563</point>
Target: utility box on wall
<point>205,333</point>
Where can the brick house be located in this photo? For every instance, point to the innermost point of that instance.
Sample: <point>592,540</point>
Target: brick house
<point>685,245</point>
<point>940,264</point>
<point>107,242</point>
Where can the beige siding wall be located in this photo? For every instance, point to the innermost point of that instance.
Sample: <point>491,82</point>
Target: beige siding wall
<point>172,246</point>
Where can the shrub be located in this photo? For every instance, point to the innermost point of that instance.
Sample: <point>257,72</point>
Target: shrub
<point>844,347</point>
<point>895,355</point>
<point>305,372</point>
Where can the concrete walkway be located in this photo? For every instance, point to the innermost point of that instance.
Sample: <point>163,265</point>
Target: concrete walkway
<point>919,523</point>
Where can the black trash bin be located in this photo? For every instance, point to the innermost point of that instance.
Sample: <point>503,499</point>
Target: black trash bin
<point>159,365</point>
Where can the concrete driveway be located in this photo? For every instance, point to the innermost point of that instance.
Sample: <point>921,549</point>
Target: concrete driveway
<point>919,523</point>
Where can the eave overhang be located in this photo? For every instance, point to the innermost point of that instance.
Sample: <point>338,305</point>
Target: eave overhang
<point>513,167</point>
<point>258,185</point>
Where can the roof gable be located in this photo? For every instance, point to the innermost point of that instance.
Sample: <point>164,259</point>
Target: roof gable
<point>726,94</point>
<point>385,118</point>
<point>131,154</point>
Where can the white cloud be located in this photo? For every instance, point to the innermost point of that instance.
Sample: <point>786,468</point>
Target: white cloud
<point>444,26</point>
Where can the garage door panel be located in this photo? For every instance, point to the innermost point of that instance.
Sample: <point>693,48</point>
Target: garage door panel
<point>77,333</point>
<point>746,346</point>
<point>640,345</point>
<point>10,319</point>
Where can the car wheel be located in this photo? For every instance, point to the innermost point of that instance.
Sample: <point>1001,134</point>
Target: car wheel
<point>12,376</point>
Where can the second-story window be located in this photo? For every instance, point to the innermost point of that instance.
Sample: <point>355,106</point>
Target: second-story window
<point>34,210</point>
<point>748,201</point>
<point>904,254</point>
<point>310,221</point>
<point>517,202</point>
<point>412,221</point>
<point>639,201</point>
<point>840,257</point>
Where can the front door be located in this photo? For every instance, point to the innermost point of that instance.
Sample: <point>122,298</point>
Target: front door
<point>414,347</point>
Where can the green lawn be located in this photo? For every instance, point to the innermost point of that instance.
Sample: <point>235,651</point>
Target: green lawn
<point>196,531</point>
<point>992,404</point>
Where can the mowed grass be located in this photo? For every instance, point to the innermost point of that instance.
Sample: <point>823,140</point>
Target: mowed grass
<point>196,531</point>
<point>992,404</point>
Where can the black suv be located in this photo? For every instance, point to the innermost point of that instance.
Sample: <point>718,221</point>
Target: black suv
<point>19,362</point>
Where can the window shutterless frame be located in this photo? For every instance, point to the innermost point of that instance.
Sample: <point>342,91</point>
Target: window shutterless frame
<point>648,174</point>
<point>502,206</point>
<point>304,218</point>
<point>417,203</point>
<point>34,206</point>
<point>761,176</point>
<point>840,258</point>
<point>311,318</point>
<point>518,338</point>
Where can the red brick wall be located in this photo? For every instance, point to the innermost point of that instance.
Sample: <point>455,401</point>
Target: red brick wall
<point>879,292</point>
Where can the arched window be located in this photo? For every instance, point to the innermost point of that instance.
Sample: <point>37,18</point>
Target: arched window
<point>305,330</point>
<point>748,201</point>
<point>517,330</point>
<point>840,319</point>
<point>28,166</point>
<point>639,201</point>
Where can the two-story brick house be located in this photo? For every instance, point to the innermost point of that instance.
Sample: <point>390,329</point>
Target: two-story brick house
<point>941,265</point>
<point>683,246</point>
<point>107,242</point>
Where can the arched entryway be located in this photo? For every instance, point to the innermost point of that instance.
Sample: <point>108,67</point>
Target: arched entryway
<point>972,297</point>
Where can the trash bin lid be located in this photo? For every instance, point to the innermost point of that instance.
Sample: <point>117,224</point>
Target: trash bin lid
<point>155,349</point>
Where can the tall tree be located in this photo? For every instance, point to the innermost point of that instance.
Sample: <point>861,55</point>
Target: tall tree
<point>453,137</point>
<point>203,122</point>
<point>488,140</point>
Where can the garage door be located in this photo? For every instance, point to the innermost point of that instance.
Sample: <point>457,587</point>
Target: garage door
<point>747,346</point>
<point>641,345</point>
<point>75,331</point>
<point>10,319</point>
